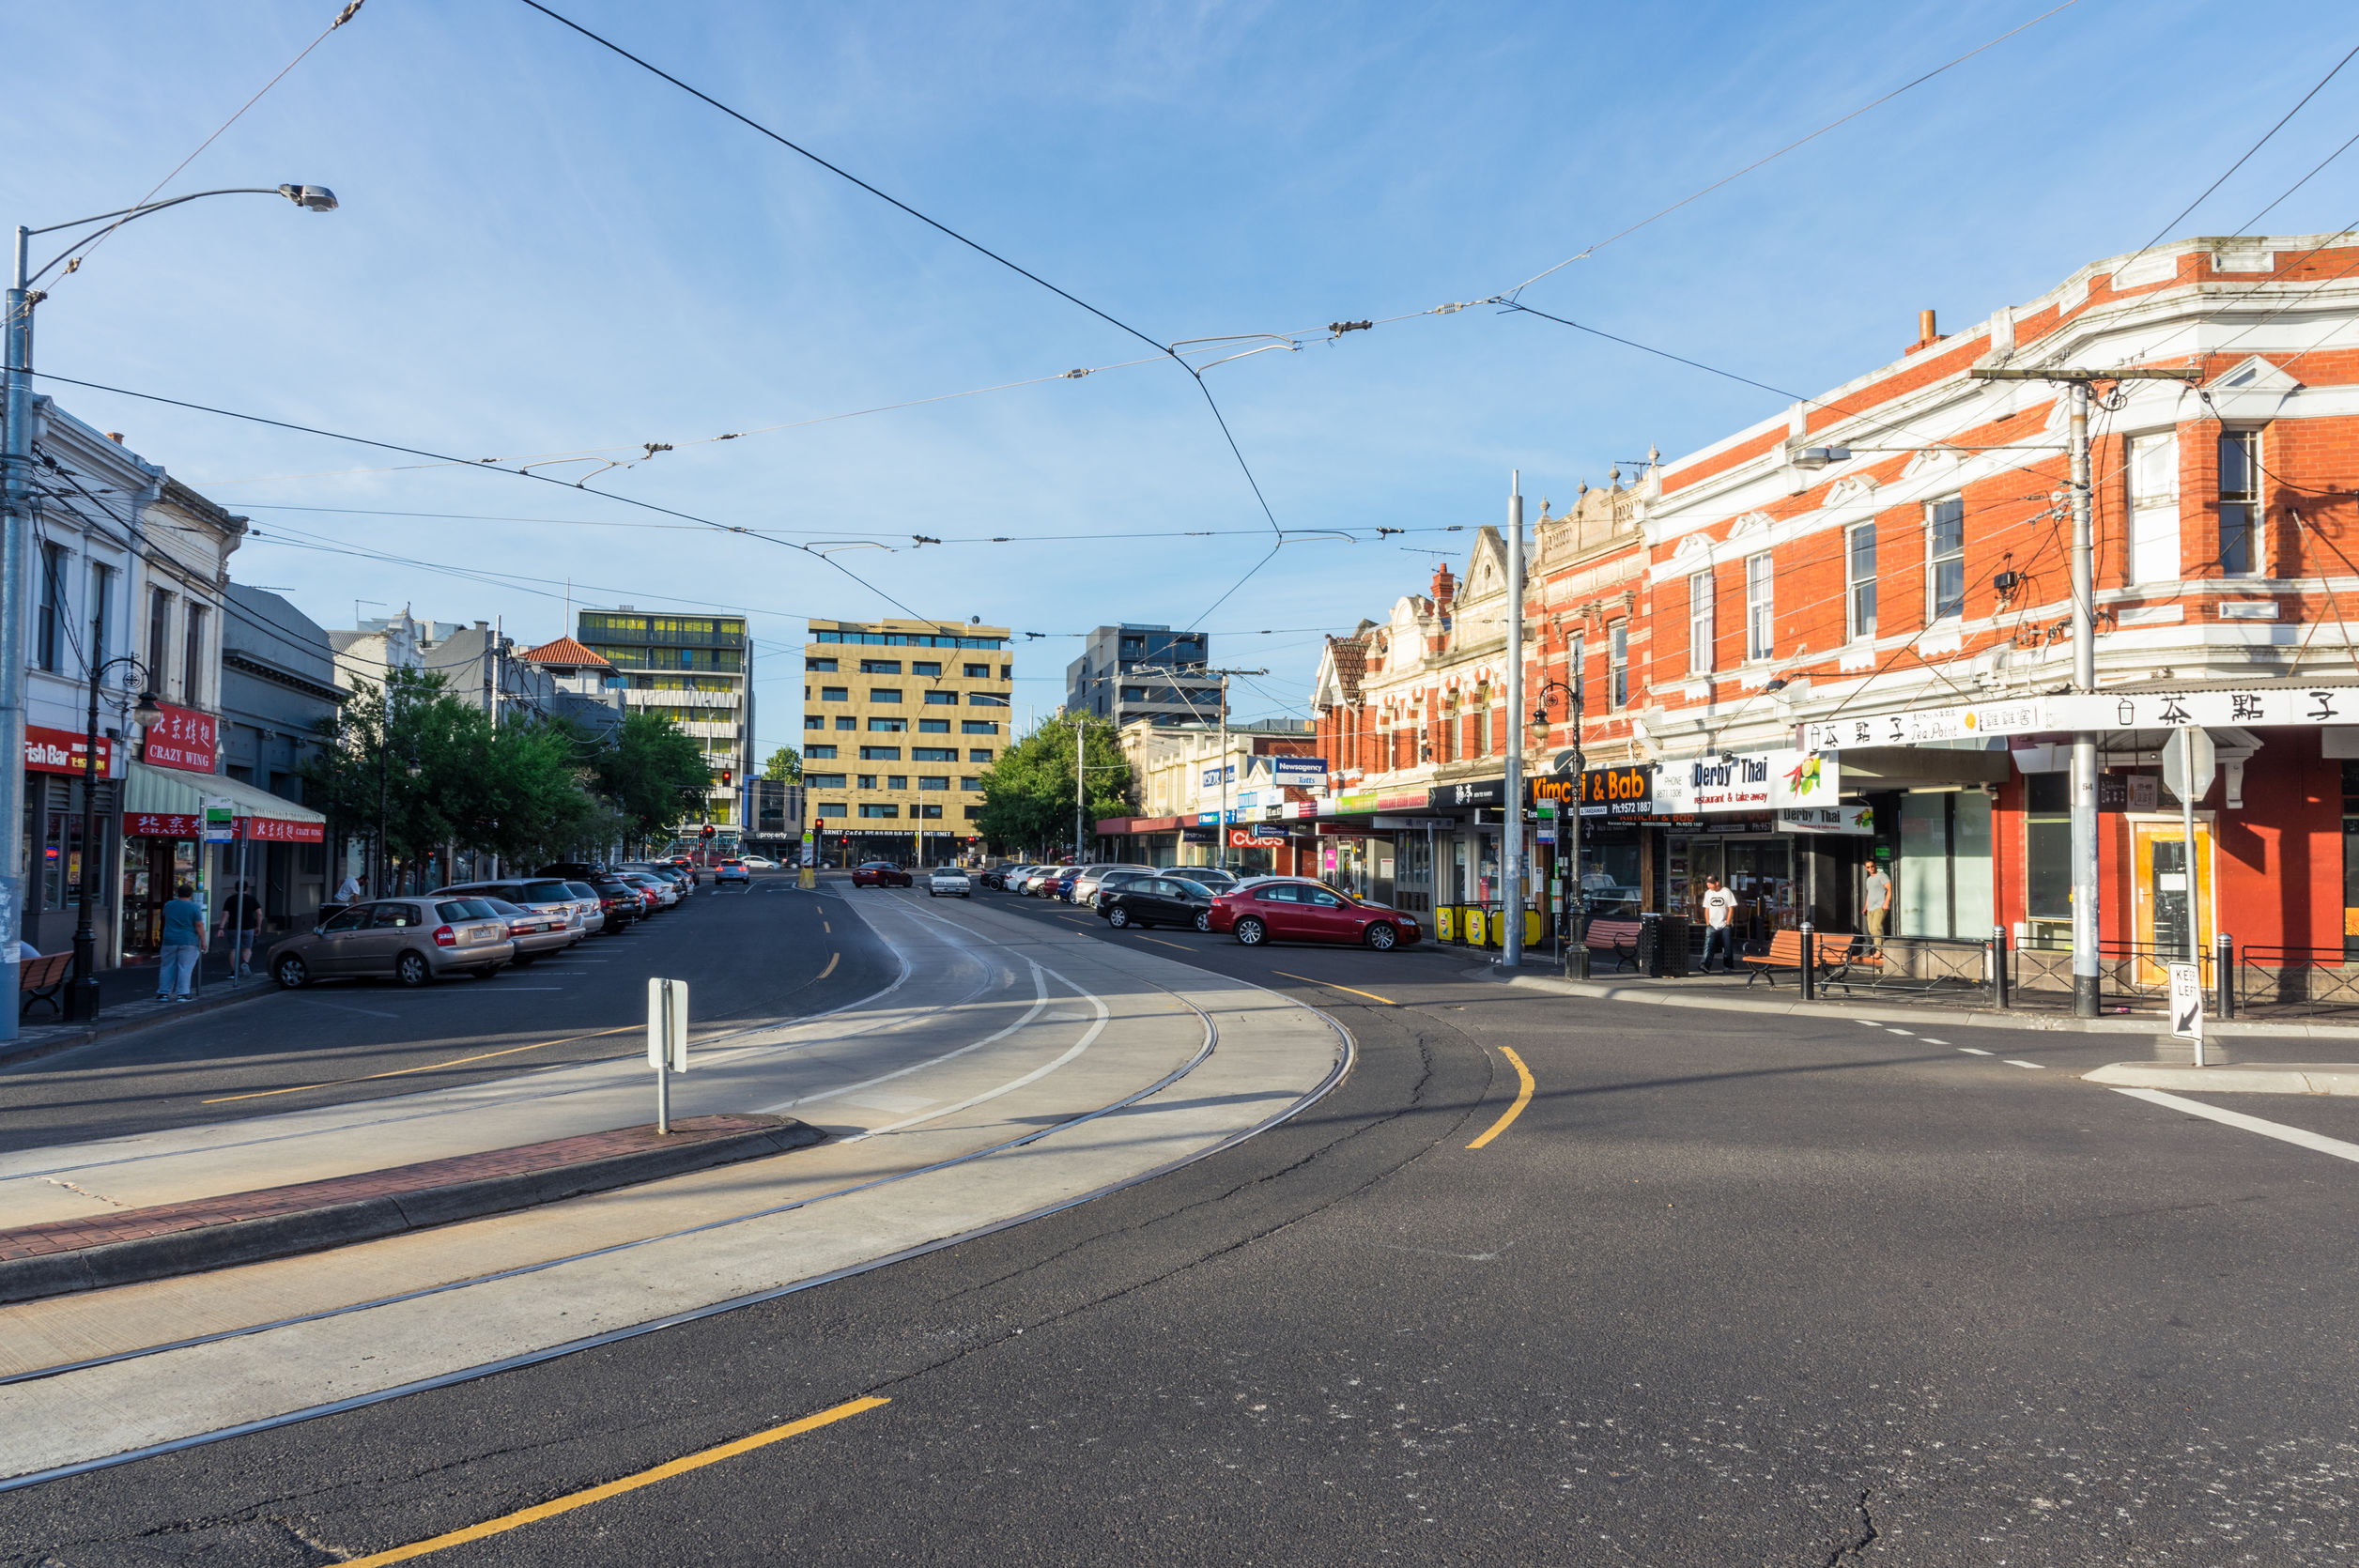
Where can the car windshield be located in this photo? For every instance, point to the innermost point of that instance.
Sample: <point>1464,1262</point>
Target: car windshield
<point>465,909</point>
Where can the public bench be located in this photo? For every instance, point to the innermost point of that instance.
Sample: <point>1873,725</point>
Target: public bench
<point>40,979</point>
<point>1839,953</point>
<point>1618,937</point>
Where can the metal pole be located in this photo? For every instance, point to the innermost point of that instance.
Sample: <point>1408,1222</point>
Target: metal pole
<point>81,996</point>
<point>1511,885</point>
<point>2187,862</point>
<point>1578,963</point>
<point>16,459</point>
<point>1080,750</point>
<point>1220,836</point>
<point>2083,825</point>
<point>663,1068</point>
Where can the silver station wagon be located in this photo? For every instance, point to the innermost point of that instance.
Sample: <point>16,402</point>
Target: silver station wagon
<point>415,941</point>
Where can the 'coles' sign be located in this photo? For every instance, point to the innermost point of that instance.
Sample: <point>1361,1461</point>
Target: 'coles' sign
<point>183,738</point>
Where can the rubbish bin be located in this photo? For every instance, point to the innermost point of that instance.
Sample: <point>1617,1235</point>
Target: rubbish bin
<point>1662,944</point>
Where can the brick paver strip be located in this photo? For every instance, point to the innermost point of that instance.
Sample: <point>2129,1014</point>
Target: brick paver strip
<point>63,1236</point>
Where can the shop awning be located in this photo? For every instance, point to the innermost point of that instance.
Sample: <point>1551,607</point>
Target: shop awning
<point>167,803</point>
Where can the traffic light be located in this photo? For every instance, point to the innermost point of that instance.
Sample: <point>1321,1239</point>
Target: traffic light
<point>726,777</point>
<point>708,830</point>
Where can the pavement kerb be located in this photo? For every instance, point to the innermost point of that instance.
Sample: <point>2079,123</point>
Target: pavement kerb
<point>338,1224</point>
<point>150,1015</point>
<point>2256,1078</point>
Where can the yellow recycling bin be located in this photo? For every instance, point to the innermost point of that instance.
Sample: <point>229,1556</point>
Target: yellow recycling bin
<point>1475,932</point>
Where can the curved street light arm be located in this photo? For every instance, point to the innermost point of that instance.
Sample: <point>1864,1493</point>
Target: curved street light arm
<point>315,198</point>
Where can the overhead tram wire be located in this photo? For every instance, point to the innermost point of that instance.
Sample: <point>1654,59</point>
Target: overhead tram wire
<point>975,245</point>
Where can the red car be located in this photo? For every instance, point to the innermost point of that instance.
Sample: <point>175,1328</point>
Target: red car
<point>880,874</point>
<point>1295,908</point>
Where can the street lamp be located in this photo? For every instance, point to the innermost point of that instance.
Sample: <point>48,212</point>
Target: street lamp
<point>1575,950</point>
<point>82,992</point>
<point>16,463</point>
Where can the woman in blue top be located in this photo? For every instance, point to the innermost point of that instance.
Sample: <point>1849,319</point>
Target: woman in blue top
<point>184,941</point>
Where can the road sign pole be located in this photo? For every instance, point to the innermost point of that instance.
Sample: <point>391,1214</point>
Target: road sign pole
<point>666,1041</point>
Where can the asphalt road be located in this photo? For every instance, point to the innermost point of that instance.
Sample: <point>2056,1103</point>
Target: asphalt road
<point>1768,1291</point>
<point>749,955</point>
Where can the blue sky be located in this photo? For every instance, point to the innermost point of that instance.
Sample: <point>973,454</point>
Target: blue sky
<point>543,250</point>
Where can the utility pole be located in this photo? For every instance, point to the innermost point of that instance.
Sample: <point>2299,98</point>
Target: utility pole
<point>16,531</point>
<point>1174,673</point>
<point>1511,848</point>
<point>2085,968</point>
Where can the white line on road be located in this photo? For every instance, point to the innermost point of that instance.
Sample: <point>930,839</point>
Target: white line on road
<point>1902,1031</point>
<point>1930,1040</point>
<point>2316,1141</point>
<point>2013,1063</point>
<point>1975,1051</point>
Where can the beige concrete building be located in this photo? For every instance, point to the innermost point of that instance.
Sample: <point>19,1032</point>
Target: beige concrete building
<point>901,719</point>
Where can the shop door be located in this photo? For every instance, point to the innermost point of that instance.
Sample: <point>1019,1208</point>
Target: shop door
<point>2158,900</point>
<point>1761,874</point>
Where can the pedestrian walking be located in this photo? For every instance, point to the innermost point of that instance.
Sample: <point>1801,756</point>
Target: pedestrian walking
<point>183,945</point>
<point>1719,905</point>
<point>348,890</point>
<point>1875,904</point>
<point>242,922</point>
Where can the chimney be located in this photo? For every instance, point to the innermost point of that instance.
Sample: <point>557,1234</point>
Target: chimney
<point>115,435</point>
<point>1445,588</point>
<point>1926,335</point>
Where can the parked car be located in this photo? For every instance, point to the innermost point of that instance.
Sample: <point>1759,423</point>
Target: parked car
<point>732,870</point>
<point>1085,885</point>
<point>759,862</point>
<point>1210,878</point>
<point>576,910</point>
<point>1111,880</point>
<point>579,871</point>
<point>1156,901</point>
<point>880,874</point>
<point>621,902</point>
<point>1295,908</point>
<point>993,876</point>
<point>949,879</point>
<point>414,941</point>
<point>687,866</point>
<point>681,877</point>
<point>535,931</point>
<point>662,892</point>
<point>1038,880</point>
<point>1061,887</point>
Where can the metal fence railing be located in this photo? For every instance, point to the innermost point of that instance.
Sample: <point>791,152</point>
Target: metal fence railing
<point>2315,977</point>
<point>1953,968</point>
<point>2129,972</point>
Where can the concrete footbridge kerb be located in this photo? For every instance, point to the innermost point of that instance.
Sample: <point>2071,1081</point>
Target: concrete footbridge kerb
<point>1006,1072</point>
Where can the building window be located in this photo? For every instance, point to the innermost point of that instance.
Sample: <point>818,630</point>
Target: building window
<point>2154,508</point>
<point>193,659</point>
<point>868,781</point>
<point>880,754</point>
<point>1482,742</point>
<point>934,754</point>
<point>1945,559</point>
<point>2239,503</point>
<point>979,672</point>
<point>1618,663</point>
<point>930,813</point>
<point>866,810</point>
<point>1860,571</point>
<point>979,754</point>
<point>884,694</point>
<point>102,596</point>
<point>831,808</point>
<point>1133,694</point>
<point>824,781</point>
<point>896,781</point>
<point>933,726</point>
<point>972,786</point>
<point>1760,607</point>
<point>47,638</point>
<point>942,700</point>
<point>925,667</point>
<point>825,666</point>
<point>973,812</point>
<point>986,698</point>
<point>880,667</point>
<point>159,639</point>
<point>835,694</point>
<point>976,726</point>
<point>819,753</point>
<point>888,726</point>
<point>1700,607</point>
<point>845,721</point>
<point>814,721</point>
<point>931,783</point>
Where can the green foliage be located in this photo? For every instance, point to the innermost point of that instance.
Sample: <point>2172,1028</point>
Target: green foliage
<point>1028,794</point>
<point>785,765</point>
<point>654,775</point>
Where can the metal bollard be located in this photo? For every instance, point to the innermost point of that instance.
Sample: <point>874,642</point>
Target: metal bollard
<point>2223,975</point>
<point>2001,992</point>
<point>1810,962</point>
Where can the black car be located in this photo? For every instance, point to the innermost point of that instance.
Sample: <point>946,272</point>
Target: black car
<point>1156,901</point>
<point>579,871</point>
<point>618,899</point>
<point>1113,879</point>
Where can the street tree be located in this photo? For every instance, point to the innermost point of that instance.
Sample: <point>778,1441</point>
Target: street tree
<point>1029,793</point>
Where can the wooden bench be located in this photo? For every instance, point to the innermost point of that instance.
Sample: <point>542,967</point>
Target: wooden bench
<point>1618,937</point>
<point>1839,953</point>
<point>40,979</point>
<point>1785,952</point>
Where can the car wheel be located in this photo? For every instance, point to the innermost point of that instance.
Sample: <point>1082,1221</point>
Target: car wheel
<point>1203,920</point>
<point>1118,917</point>
<point>291,973</point>
<point>1252,932</point>
<point>412,969</point>
<point>1381,937</point>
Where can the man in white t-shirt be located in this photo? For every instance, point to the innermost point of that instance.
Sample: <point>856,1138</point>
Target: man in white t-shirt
<point>1720,906</point>
<point>1875,904</point>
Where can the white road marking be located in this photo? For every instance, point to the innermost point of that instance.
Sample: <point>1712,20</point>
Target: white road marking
<point>1975,1051</point>
<point>2013,1063</point>
<point>342,1008</point>
<point>1930,1040</point>
<point>2316,1140</point>
<point>1900,1031</point>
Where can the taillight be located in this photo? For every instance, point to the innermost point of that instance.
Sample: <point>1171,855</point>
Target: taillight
<point>445,937</point>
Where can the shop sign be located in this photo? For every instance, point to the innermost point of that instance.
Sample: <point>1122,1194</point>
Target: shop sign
<point>221,819</point>
<point>1388,824</point>
<point>1215,777</point>
<point>1849,821</point>
<point>1307,773</point>
<point>183,738</point>
<point>1748,781</point>
<point>48,750</point>
<point>2099,711</point>
<point>277,831</point>
<point>1475,792</point>
<point>1627,791</point>
<point>1197,834</point>
<point>2129,791</point>
<point>1253,837</point>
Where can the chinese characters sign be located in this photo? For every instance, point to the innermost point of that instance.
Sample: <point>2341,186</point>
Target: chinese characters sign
<point>183,738</point>
<point>2142,710</point>
<point>167,824</point>
<point>48,750</point>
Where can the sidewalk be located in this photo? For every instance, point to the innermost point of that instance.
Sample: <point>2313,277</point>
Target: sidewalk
<point>127,1002</point>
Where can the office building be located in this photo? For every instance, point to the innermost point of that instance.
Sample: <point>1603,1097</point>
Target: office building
<point>1111,677</point>
<point>901,718</point>
<point>695,670</point>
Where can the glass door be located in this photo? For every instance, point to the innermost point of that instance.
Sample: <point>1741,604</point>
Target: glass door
<point>1761,874</point>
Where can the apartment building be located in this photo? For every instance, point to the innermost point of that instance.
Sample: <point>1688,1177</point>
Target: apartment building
<point>1135,674</point>
<point>695,670</point>
<point>901,719</point>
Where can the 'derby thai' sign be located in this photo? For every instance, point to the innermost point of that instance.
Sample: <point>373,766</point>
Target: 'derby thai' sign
<point>1746,781</point>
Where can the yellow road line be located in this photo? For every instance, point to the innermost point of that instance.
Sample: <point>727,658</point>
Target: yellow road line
<point>825,927</point>
<point>1183,947</point>
<point>1523,1098</point>
<point>403,1072</point>
<point>572,1501</point>
<point>829,970</point>
<point>1332,986</point>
